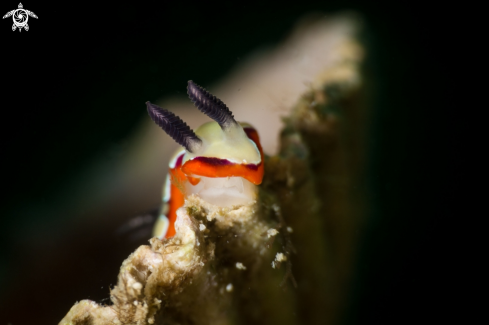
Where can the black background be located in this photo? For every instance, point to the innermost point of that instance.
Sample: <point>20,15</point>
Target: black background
<point>75,84</point>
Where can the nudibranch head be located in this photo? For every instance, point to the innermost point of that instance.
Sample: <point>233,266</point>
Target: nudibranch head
<point>223,148</point>
<point>225,154</point>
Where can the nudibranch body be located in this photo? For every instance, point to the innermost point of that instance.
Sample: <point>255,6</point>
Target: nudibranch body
<point>221,162</point>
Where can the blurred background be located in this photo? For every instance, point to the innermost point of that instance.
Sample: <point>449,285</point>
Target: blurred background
<point>73,94</point>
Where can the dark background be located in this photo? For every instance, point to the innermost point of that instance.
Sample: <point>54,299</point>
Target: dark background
<point>75,84</point>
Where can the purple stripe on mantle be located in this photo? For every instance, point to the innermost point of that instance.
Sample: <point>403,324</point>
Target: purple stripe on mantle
<point>222,162</point>
<point>179,160</point>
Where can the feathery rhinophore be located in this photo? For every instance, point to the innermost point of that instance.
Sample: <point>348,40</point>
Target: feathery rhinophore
<point>174,126</point>
<point>210,105</point>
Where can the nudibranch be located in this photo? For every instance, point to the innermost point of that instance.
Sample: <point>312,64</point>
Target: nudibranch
<point>221,162</point>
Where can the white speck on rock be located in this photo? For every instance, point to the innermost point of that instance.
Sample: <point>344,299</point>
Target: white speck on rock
<point>280,257</point>
<point>289,229</point>
<point>137,286</point>
<point>240,266</point>
<point>272,232</point>
<point>201,227</point>
<point>229,287</point>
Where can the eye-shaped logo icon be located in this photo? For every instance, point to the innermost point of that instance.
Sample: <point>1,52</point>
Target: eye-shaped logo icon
<point>20,17</point>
